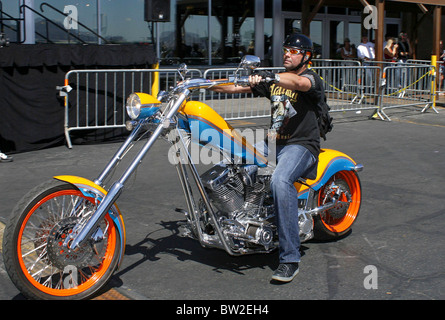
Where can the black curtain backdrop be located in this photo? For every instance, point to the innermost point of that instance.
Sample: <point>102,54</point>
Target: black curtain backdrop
<point>31,111</point>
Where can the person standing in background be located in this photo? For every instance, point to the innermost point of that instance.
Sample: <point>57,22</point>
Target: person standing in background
<point>4,157</point>
<point>404,48</point>
<point>365,50</point>
<point>347,51</point>
<point>390,50</point>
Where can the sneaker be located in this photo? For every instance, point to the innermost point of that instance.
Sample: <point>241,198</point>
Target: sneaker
<point>5,158</point>
<point>285,272</point>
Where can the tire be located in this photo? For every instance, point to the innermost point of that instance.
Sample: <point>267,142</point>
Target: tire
<point>35,260</point>
<point>337,222</point>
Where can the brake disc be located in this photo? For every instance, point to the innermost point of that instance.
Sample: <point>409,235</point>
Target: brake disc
<point>60,255</point>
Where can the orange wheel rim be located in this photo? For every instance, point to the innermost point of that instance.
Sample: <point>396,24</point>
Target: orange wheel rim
<point>86,278</point>
<point>339,225</point>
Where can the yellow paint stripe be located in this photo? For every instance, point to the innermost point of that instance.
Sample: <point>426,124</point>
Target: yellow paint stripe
<point>2,228</point>
<point>241,123</point>
<point>420,123</point>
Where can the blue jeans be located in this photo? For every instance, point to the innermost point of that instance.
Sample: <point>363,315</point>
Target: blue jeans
<point>293,162</point>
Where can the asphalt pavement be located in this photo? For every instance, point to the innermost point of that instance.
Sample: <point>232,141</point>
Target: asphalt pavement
<point>394,252</point>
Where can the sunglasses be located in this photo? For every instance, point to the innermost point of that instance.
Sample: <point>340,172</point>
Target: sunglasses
<point>292,50</point>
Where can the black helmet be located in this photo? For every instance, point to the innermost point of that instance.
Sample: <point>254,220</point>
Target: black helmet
<point>299,41</point>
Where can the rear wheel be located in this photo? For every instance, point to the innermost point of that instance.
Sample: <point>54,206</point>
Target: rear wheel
<point>337,221</point>
<point>35,257</point>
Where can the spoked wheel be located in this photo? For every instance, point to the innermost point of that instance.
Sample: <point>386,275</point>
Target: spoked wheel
<point>337,221</point>
<point>37,255</point>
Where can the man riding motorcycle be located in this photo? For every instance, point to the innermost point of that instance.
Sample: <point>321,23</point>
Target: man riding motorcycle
<point>295,95</point>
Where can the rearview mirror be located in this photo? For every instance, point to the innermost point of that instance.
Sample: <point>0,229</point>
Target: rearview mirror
<point>250,62</point>
<point>182,70</point>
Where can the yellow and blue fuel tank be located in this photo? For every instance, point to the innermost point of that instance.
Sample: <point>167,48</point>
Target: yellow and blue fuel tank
<point>209,128</point>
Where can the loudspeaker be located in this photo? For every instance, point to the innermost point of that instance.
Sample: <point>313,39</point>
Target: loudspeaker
<point>157,10</point>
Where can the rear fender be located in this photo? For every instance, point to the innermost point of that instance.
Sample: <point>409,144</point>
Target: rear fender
<point>90,189</point>
<point>329,163</point>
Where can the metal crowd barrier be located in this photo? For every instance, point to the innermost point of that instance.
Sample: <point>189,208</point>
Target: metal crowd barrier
<point>334,63</point>
<point>440,78</point>
<point>406,85</point>
<point>95,99</point>
<point>350,88</point>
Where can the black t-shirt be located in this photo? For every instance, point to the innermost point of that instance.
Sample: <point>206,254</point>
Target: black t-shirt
<point>294,113</point>
<point>403,47</point>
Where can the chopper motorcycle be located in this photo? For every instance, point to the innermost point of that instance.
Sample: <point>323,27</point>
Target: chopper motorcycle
<point>66,237</point>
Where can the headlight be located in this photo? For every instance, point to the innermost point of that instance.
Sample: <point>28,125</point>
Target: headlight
<point>133,106</point>
<point>142,105</point>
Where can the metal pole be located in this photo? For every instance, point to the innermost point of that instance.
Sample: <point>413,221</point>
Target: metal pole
<point>28,24</point>
<point>99,23</point>
<point>209,16</point>
<point>278,30</point>
<point>259,28</point>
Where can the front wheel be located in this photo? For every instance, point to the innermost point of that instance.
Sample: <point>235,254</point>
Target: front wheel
<point>337,221</point>
<point>35,258</point>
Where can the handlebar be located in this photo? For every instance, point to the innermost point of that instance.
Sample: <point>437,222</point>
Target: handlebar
<point>200,83</point>
<point>179,93</point>
<point>248,62</point>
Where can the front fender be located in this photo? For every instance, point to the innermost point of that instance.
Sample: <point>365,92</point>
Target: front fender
<point>89,188</point>
<point>329,163</point>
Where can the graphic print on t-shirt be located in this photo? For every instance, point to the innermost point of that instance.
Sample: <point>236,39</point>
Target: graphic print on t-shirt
<point>281,109</point>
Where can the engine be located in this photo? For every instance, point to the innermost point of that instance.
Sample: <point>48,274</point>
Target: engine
<point>225,189</point>
<point>243,204</point>
<point>237,190</point>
